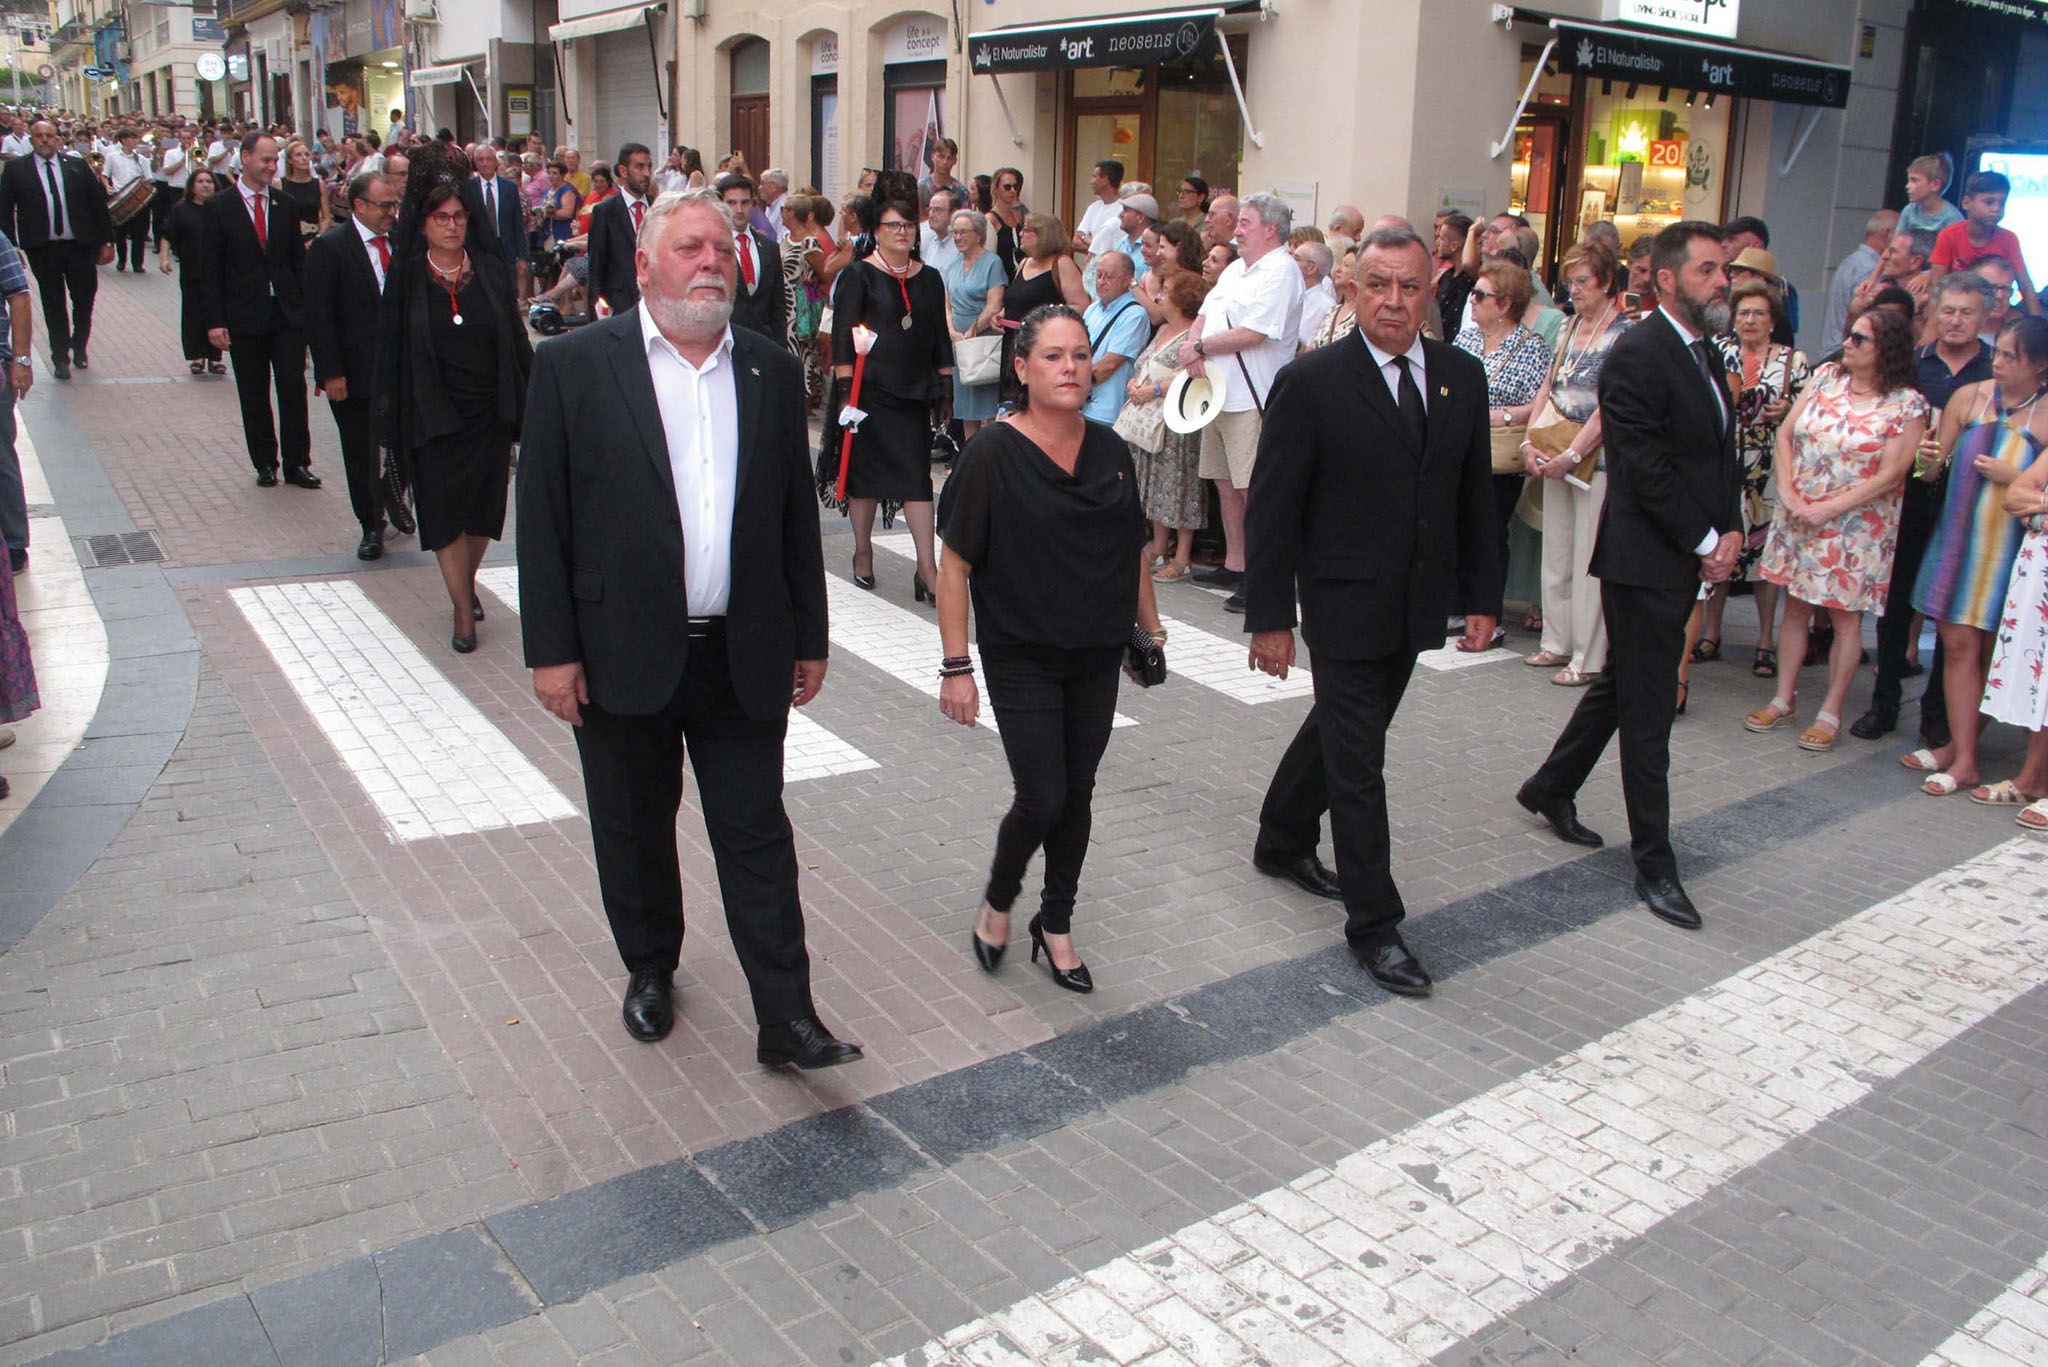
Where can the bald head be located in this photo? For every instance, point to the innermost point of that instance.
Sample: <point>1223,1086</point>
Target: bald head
<point>1385,221</point>
<point>1882,227</point>
<point>1347,221</point>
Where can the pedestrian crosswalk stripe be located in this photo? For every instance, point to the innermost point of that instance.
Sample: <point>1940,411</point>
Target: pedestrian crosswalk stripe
<point>897,641</point>
<point>808,751</point>
<point>2012,1331</point>
<point>433,764</point>
<point>1403,1249</point>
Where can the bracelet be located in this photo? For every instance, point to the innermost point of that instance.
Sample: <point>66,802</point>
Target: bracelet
<point>956,671</point>
<point>955,661</point>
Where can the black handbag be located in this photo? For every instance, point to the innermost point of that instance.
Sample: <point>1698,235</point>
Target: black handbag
<point>1144,659</point>
<point>397,497</point>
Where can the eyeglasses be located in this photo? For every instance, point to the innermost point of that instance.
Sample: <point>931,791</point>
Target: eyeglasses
<point>1859,339</point>
<point>381,203</point>
<point>449,220</point>
<point>894,226</point>
<point>1012,186</point>
<point>1485,294</point>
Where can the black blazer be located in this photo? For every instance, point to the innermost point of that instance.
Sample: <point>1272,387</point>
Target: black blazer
<point>1672,473</point>
<point>601,545</point>
<point>765,307</point>
<point>25,203</point>
<point>612,240</point>
<point>342,303</point>
<point>489,236</point>
<point>1384,540</point>
<point>237,274</point>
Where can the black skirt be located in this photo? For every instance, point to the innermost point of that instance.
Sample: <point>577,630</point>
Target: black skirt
<point>892,451</point>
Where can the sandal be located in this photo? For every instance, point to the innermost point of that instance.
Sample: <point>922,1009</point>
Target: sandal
<point>1767,717</point>
<point>1171,573</point>
<point>1766,665</point>
<point>1533,622</point>
<point>2004,793</point>
<point>1705,650</point>
<point>199,367</point>
<point>2034,818</point>
<point>1546,659</point>
<point>1820,737</point>
<point>216,367</point>
<point>1922,761</point>
<point>1940,785</point>
<point>1572,678</point>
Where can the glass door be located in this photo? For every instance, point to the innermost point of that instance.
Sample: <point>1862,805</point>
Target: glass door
<point>1104,130</point>
<point>1537,181</point>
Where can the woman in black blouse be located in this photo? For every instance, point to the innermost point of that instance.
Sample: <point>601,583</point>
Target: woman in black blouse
<point>903,302</point>
<point>182,228</point>
<point>1045,532</point>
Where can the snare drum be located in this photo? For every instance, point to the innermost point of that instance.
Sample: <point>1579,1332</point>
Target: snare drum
<point>131,199</point>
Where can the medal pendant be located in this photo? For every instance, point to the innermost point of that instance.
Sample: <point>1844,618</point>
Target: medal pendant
<point>457,320</point>
<point>905,324</point>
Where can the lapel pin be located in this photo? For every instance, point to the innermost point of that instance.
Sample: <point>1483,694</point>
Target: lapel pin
<point>753,370</point>
<point>1443,391</point>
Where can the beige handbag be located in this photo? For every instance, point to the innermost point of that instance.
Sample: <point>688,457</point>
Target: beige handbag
<point>1507,448</point>
<point>978,359</point>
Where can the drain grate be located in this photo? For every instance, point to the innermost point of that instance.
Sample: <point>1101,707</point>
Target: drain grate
<point>125,548</point>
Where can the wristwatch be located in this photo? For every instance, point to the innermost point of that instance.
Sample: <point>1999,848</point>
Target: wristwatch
<point>1199,351</point>
<point>21,361</point>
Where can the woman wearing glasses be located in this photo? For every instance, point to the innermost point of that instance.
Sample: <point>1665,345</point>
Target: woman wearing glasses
<point>1191,202</point>
<point>452,361</point>
<point>910,369</point>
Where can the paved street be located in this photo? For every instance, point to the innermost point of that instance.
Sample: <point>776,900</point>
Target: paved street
<point>310,1051</point>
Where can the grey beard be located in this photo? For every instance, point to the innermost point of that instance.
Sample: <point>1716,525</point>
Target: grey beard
<point>1708,320</point>
<point>686,316</point>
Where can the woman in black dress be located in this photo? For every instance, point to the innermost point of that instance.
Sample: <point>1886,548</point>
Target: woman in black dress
<point>452,362</point>
<point>1046,534</point>
<point>1046,275</point>
<point>910,369</point>
<point>182,228</point>
<point>298,182</point>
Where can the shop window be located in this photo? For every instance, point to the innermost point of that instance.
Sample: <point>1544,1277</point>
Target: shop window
<point>825,134</point>
<point>913,111</point>
<point>1161,122</point>
<point>1650,162</point>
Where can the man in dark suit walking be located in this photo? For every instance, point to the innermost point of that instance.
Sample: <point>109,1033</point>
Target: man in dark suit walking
<point>55,207</point>
<point>345,270</point>
<point>497,217</point>
<point>1672,520</point>
<point>251,271</point>
<point>615,228</point>
<point>672,598</point>
<point>1372,492</point>
<point>763,300</point>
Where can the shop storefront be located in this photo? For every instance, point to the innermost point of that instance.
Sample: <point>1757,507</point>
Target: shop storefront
<point>913,92</point>
<point>617,76</point>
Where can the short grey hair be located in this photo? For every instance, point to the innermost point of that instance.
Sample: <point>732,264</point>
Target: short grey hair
<point>1395,240</point>
<point>1920,242</point>
<point>1883,221</point>
<point>974,221</point>
<point>1967,282</point>
<point>1319,253</point>
<point>776,174</point>
<point>674,202</point>
<point>1272,210</point>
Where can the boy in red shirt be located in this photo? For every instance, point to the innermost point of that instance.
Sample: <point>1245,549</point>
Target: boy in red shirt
<point>1961,245</point>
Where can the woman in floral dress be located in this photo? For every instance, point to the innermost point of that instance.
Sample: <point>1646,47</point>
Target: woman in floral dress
<point>1766,377</point>
<point>1169,485</point>
<point>1842,459</point>
<point>2016,690</point>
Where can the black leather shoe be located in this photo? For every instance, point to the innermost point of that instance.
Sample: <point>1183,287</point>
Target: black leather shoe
<point>266,479</point>
<point>463,645</point>
<point>804,1042</point>
<point>1394,968</point>
<point>1219,577</point>
<point>1876,722</point>
<point>1667,901</point>
<point>78,358</point>
<point>650,1006</point>
<point>1305,871</point>
<point>61,368</point>
<point>304,478</point>
<point>17,560</point>
<point>372,545</point>
<point>1563,815</point>
<point>1935,737</point>
<point>1235,602</point>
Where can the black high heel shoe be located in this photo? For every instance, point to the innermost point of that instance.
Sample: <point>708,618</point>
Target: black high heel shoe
<point>860,581</point>
<point>923,594</point>
<point>1075,979</point>
<point>987,955</point>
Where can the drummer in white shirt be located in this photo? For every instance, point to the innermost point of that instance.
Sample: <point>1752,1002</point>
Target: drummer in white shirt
<point>121,166</point>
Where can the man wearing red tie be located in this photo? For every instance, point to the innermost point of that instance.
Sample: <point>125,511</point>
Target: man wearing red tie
<point>251,267</point>
<point>615,230</point>
<point>763,300</point>
<point>345,271</point>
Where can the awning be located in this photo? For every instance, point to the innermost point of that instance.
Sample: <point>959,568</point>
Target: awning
<point>610,21</point>
<point>1620,54</point>
<point>1109,40</point>
<point>439,75</point>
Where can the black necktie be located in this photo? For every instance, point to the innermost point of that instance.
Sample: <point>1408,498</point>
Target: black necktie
<point>56,198</point>
<point>1413,414</point>
<point>1699,354</point>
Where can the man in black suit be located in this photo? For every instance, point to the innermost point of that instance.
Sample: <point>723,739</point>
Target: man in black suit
<point>763,300</point>
<point>55,208</point>
<point>345,271</point>
<point>615,228</point>
<point>497,225</point>
<point>1372,491</point>
<point>1672,520</point>
<point>672,598</point>
<point>252,265</point>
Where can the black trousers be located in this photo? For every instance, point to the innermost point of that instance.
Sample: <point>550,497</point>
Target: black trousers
<point>1919,514</point>
<point>359,459</point>
<point>131,241</point>
<point>1637,695</point>
<point>259,359</point>
<point>66,269</point>
<point>1337,763</point>
<point>1055,707</point>
<point>633,779</point>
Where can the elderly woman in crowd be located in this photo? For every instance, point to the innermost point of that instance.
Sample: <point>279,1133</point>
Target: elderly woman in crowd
<point>1991,434</point>
<point>1342,320</point>
<point>1564,434</point>
<point>1517,362</point>
<point>1045,534</point>
<point>910,369</point>
<point>974,291</point>
<point>1767,376</point>
<point>1841,464</point>
<point>2016,689</point>
<point>1217,260</point>
<point>1169,462</point>
<point>450,383</point>
<point>1045,274</point>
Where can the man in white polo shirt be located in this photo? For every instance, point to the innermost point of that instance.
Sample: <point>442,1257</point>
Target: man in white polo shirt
<point>1246,331</point>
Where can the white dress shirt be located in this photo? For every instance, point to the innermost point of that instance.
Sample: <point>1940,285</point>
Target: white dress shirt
<point>46,169</point>
<point>217,154</point>
<point>487,186</point>
<point>270,215</point>
<point>124,168</point>
<point>15,145</point>
<point>700,417</point>
<point>1316,305</point>
<point>1687,336</point>
<point>1098,217</point>
<point>1266,297</point>
<point>936,251</point>
<point>370,250</point>
<point>176,168</point>
<point>1388,372</point>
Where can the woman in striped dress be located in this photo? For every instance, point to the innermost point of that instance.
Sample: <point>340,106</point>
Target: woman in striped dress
<point>1991,433</point>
